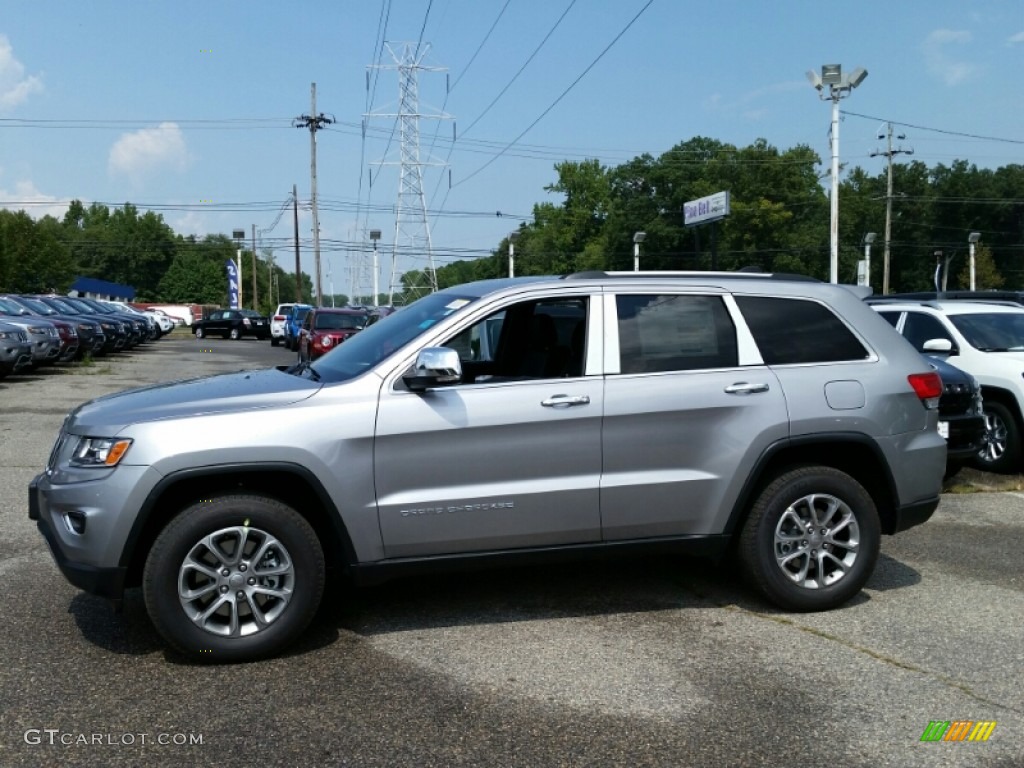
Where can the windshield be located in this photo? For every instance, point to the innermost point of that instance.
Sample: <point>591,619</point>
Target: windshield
<point>994,332</point>
<point>12,308</point>
<point>328,321</point>
<point>380,340</point>
<point>37,306</point>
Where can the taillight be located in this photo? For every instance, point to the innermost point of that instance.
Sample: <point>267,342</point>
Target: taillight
<point>279,318</point>
<point>928,387</point>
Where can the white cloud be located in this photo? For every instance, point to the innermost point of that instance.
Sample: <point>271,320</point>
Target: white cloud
<point>147,150</point>
<point>1018,38</point>
<point>15,87</point>
<point>939,61</point>
<point>29,199</point>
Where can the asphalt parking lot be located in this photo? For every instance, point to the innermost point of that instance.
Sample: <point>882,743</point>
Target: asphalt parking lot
<point>636,663</point>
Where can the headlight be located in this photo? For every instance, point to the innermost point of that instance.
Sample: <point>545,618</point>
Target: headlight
<point>326,341</point>
<point>5,335</point>
<point>99,452</point>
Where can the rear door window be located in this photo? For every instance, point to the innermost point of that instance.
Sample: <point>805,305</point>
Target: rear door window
<point>674,332</point>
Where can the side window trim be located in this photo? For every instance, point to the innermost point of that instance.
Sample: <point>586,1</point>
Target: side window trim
<point>610,323</point>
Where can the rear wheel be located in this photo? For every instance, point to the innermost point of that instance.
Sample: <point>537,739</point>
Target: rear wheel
<point>811,540</point>
<point>234,578</point>
<point>199,333</point>
<point>1002,449</point>
<point>274,341</point>
<point>235,334</point>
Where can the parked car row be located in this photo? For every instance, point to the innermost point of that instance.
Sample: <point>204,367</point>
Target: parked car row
<point>40,330</point>
<point>302,328</point>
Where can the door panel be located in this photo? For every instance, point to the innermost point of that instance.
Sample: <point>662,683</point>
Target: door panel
<point>678,447</point>
<point>489,466</point>
<point>688,410</point>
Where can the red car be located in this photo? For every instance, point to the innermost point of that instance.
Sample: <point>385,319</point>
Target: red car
<point>324,328</point>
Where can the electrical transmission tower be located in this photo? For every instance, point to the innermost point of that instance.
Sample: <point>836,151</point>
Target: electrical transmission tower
<point>412,229</point>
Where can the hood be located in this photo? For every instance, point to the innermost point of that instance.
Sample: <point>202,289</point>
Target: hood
<point>223,393</point>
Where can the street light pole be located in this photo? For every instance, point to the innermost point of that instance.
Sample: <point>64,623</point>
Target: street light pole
<point>972,241</point>
<point>839,86</point>
<point>869,238</point>
<point>374,237</point>
<point>638,237</point>
<point>512,237</point>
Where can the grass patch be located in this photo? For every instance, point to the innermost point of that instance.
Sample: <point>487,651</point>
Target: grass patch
<point>969,480</point>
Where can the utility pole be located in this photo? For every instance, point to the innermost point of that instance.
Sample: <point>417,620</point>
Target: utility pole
<point>298,263</point>
<point>314,122</point>
<point>255,294</point>
<point>888,199</point>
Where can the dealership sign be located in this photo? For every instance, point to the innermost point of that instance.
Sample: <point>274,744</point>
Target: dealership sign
<point>710,208</point>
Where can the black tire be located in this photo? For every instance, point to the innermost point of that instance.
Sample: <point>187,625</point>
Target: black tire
<point>234,334</point>
<point>287,595</point>
<point>776,554</point>
<point>274,341</point>
<point>1002,450</point>
<point>199,333</point>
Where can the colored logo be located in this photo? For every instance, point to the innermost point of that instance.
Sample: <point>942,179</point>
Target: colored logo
<point>958,730</point>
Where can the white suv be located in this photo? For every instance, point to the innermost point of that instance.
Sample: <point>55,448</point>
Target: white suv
<point>277,323</point>
<point>986,339</point>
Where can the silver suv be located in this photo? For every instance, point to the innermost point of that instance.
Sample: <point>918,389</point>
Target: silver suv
<point>777,419</point>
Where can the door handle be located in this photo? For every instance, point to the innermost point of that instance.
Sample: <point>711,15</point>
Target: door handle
<point>745,388</point>
<point>565,401</point>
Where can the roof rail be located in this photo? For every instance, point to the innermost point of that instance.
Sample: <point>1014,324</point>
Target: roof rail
<point>738,275</point>
<point>932,303</point>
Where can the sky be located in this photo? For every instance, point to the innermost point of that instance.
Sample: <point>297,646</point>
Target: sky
<point>187,108</point>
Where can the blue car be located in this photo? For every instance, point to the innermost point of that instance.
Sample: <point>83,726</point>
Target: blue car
<point>293,324</point>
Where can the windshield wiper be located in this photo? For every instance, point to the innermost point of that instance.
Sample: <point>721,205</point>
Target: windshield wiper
<point>303,367</point>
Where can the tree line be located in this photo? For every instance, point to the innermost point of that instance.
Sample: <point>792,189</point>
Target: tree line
<point>779,221</point>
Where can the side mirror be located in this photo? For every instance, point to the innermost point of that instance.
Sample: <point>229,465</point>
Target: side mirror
<point>939,346</point>
<point>434,367</point>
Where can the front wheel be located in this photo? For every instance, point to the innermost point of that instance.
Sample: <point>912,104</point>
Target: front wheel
<point>234,578</point>
<point>811,540</point>
<point>199,333</point>
<point>235,334</point>
<point>1002,450</point>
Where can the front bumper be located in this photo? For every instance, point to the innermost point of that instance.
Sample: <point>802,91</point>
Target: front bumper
<point>94,557</point>
<point>965,436</point>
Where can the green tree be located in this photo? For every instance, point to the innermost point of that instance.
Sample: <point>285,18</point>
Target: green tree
<point>32,256</point>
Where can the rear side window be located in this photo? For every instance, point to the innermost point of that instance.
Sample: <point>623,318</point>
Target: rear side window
<point>789,331</point>
<point>674,333</point>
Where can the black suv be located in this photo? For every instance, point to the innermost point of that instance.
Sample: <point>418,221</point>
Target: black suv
<point>961,418</point>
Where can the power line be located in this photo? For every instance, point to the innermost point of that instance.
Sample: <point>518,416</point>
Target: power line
<point>937,130</point>
<point>563,94</point>
<point>520,70</point>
